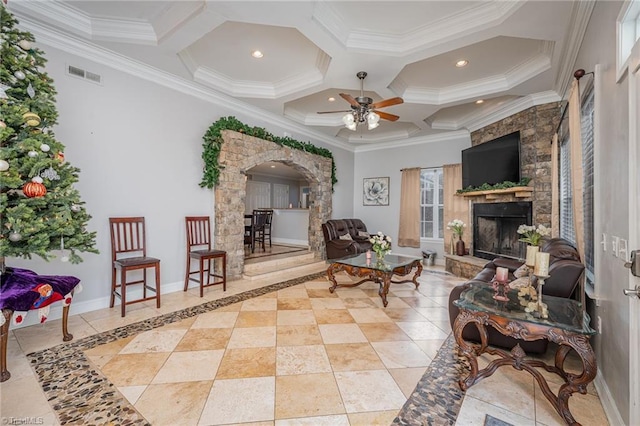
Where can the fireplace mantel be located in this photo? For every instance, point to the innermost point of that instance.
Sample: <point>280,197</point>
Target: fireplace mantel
<point>493,194</point>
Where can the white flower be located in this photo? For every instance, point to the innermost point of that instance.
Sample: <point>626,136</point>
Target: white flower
<point>457,226</point>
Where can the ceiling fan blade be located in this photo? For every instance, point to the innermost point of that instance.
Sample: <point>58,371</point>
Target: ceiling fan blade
<point>387,116</point>
<point>347,97</point>
<point>331,112</point>
<point>387,102</point>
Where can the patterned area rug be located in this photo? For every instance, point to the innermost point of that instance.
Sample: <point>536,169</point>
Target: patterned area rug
<point>80,394</point>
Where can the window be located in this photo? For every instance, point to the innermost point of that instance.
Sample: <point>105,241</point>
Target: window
<point>628,32</point>
<point>567,230</point>
<point>431,207</point>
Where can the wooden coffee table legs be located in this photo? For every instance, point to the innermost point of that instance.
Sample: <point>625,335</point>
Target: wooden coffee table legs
<point>565,339</point>
<point>383,278</point>
<point>4,337</point>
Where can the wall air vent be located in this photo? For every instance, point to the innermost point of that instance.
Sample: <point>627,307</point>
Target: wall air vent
<point>86,75</point>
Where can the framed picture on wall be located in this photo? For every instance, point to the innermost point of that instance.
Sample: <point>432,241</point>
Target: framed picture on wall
<point>375,191</point>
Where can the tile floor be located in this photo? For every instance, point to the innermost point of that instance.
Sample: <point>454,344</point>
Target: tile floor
<point>300,355</point>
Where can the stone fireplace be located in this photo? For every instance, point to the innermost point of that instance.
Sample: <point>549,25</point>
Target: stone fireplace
<point>495,228</point>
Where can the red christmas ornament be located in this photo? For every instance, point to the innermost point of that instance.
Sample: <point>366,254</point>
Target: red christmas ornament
<point>60,157</point>
<point>34,189</point>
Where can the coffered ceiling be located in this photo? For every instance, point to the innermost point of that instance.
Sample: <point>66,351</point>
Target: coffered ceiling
<point>519,54</point>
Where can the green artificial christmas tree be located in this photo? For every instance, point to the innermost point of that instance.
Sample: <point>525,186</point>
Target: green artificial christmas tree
<point>40,211</point>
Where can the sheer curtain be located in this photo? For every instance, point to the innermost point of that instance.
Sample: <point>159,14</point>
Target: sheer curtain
<point>555,188</point>
<point>575,136</point>
<point>454,207</point>
<point>409,233</point>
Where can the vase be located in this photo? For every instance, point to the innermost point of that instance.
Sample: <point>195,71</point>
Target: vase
<point>460,249</point>
<point>452,246</point>
<point>380,256</point>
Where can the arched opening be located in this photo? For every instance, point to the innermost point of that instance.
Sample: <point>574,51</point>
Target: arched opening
<point>241,153</point>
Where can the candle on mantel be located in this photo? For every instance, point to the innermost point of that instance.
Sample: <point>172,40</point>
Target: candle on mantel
<point>541,268</point>
<point>531,256</point>
<point>502,274</point>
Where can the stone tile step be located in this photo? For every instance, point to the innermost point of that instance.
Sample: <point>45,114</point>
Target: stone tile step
<point>268,264</point>
<point>285,272</point>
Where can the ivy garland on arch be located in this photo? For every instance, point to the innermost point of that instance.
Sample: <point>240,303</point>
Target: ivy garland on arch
<point>213,144</point>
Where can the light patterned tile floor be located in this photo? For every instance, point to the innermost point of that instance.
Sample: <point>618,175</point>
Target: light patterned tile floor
<point>300,355</point>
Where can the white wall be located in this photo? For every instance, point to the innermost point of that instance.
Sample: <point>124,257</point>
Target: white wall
<point>138,145</point>
<point>388,162</point>
<point>611,207</point>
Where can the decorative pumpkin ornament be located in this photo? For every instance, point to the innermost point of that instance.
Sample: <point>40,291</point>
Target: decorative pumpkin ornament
<point>19,75</point>
<point>45,148</point>
<point>4,165</point>
<point>24,44</point>
<point>15,236</point>
<point>31,119</point>
<point>32,154</point>
<point>60,157</point>
<point>34,190</point>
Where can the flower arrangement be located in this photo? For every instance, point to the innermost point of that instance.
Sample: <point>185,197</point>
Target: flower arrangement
<point>381,244</point>
<point>457,226</point>
<point>532,234</point>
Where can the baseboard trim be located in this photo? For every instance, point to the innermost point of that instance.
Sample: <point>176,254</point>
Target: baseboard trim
<point>608,404</point>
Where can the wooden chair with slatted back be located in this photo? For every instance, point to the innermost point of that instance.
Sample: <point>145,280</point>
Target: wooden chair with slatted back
<point>267,225</point>
<point>129,253</point>
<point>258,226</point>
<point>199,248</point>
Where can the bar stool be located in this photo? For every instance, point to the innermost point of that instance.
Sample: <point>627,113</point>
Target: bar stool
<point>199,247</point>
<point>129,253</point>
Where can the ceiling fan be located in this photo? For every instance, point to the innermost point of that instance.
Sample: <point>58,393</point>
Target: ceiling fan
<point>363,109</point>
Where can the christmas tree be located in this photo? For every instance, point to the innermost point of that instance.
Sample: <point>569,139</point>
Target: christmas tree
<point>40,211</point>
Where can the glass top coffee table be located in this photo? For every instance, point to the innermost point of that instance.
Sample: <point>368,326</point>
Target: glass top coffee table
<point>567,325</point>
<point>376,271</point>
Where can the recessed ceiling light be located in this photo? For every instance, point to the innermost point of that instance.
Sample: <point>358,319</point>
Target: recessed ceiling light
<point>462,63</point>
<point>480,101</point>
<point>331,99</point>
<point>272,166</point>
<point>257,54</point>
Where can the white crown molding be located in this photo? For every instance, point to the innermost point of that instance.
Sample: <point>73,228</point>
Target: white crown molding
<point>509,109</point>
<point>580,16</point>
<point>98,54</point>
<point>478,88</point>
<point>325,120</point>
<point>421,140</point>
<point>51,11</point>
<point>176,15</point>
<point>480,17</point>
<point>128,31</point>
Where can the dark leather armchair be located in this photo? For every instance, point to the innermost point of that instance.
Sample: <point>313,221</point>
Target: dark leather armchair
<point>337,247</point>
<point>565,270</point>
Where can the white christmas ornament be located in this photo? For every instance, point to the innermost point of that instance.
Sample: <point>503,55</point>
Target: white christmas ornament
<point>19,75</point>
<point>36,179</point>
<point>3,88</point>
<point>75,208</point>
<point>45,148</point>
<point>24,44</point>
<point>32,154</point>
<point>50,174</point>
<point>15,236</point>
<point>31,91</point>
<point>64,259</point>
<point>4,165</point>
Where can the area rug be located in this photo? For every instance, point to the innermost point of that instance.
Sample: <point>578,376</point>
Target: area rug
<point>80,394</point>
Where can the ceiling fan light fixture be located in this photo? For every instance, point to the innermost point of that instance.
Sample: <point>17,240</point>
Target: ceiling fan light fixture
<point>349,119</point>
<point>372,126</point>
<point>373,118</point>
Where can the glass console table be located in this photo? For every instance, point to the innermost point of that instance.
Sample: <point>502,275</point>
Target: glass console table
<point>567,325</point>
<point>374,270</point>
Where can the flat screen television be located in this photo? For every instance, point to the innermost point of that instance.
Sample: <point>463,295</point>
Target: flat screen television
<point>492,162</point>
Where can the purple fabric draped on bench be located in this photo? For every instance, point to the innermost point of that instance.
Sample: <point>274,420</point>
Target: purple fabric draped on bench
<point>23,290</point>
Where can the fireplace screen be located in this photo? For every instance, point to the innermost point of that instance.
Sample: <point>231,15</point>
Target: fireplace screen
<point>495,227</point>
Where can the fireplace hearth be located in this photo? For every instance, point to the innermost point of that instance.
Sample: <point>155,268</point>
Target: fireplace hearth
<point>495,228</point>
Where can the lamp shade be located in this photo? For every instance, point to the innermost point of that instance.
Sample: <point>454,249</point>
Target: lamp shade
<point>373,118</point>
<point>348,119</point>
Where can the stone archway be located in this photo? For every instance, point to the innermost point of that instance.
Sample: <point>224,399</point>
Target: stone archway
<point>240,153</point>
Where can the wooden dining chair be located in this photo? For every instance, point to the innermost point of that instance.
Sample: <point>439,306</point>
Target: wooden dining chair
<point>258,225</point>
<point>199,248</point>
<point>129,253</point>
<point>267,225</point>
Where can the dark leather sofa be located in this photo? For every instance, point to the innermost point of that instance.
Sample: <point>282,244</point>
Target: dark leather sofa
<point>336,247</point>
<point>565,270</point>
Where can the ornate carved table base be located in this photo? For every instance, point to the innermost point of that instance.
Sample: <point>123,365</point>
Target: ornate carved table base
<point>382,277</point>
<point>566,340</point>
